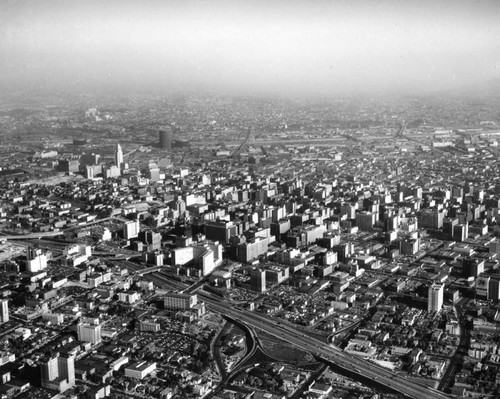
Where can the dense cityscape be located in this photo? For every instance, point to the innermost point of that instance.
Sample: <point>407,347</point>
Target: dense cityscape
<point>213,246</point>
<point>249,199</point>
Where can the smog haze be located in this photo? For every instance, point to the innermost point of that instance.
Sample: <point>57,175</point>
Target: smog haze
<point>305,47</point>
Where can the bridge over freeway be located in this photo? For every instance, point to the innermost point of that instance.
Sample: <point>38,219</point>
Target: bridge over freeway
<point>148,270</point>
<point>31,236</point>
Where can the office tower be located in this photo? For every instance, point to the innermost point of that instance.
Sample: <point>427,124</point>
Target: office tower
<point>89,159</point>
<point>174,301</point>
<point>472,267</point>
<point>417,192</point>
<point>461,231</point>
<point>112,172</point>
<point>68,165</point>
<point>89,172</point>
<point>494,248</point>
<point>180,206</point>
<point>431,218</point>
<point>58,372</point>
<point>478,194</point>
<point>482,287</point>
<point>66,367</point>
<point>220,230</point>
<point>89,333</point>
<point>344,250</point>
<point>119,156</point>
<point>36,260</point>
<point>494,288</point>
<point>392,222</point>
<point>131,229</point>
<point>4,314</point>
<point>166,138</point>
<point>449,225</point>
<point>152,240</point>
<point>258,280</point>
<point>50,369</point>
<point>435,300</point>
<point>366,220</point>
<point>153,174</point>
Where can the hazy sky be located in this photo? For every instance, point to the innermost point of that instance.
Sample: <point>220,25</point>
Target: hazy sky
<point>304,46</point>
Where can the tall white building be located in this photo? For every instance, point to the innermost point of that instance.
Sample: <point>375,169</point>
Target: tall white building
<point>36,260</point>
<point>435,301</point>
<point>89,333</point>
<point>4,310</point>
<point>76,254</point>
<point>119,156</point>
<point>58,372</point>
<point>66,366</point>
<point>131,229</point>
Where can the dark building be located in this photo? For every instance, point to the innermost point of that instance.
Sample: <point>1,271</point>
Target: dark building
<point>166,138</point>
<point>258,280</point>
<point>68,166</point>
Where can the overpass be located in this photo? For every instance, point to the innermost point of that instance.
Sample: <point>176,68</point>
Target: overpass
<point>325,352</point>
<point>31,236</point>
<point>148,270</point>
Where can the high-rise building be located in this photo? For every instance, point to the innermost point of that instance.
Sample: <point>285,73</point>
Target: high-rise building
<point>258,280</point>
<point>111,172</point>
<point>153,174</point>
<point>252,249</point>
<point>494,248</point>
<point>58,372</point>
<point>449,225</point>
<point>151,239</point>
<point>435,300</point>
<point>174,300</point>
<point>220,230</point>
<point>36,260</point>
<point>461,231</point>
<point>472,267</point>
<point>482,287</point>
<point>89,159</point>
<point>49,369</point>
<point>66,366</point>
<point>118,156</point>
<point>4,310</point>
<point>494,288</point>
<point>89,172</point>
<point>392,222</point>
<point>366,220</point>
<point>166,138</point>
<point>431,218</point>
<point>68,165</point>
<point>89,333</point>
<point>131,229</point>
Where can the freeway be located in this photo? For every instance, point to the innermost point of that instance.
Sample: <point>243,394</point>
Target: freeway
<point>32,235</point>
<point>324,351</point>
<point>458,358</point>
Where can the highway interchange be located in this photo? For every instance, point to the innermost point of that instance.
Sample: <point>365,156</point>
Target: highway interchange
<point>324,351</point>
<point>301,340</point>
